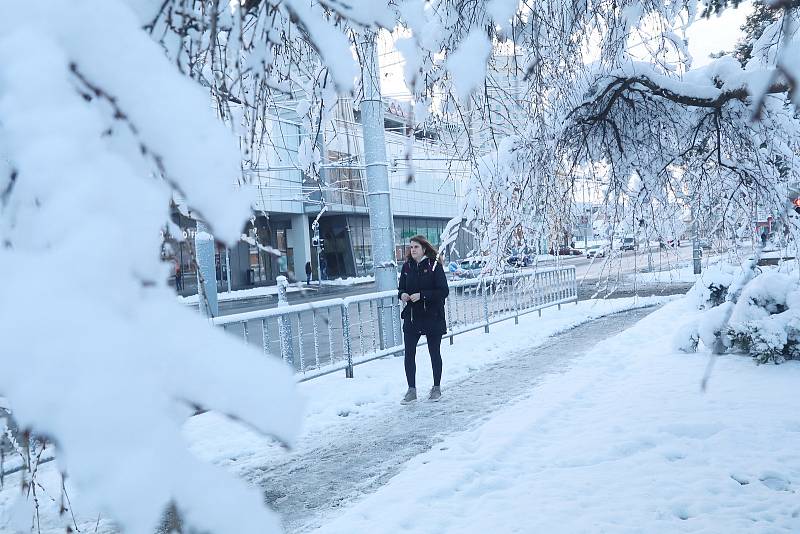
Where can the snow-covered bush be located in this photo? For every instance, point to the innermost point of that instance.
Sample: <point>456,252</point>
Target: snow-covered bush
<point>764,322</point>
<point>717,291</point>
<point>687,338</point>
<point>711,289</point>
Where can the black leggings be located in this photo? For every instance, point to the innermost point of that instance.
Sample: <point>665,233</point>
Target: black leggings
<point>434,345</point>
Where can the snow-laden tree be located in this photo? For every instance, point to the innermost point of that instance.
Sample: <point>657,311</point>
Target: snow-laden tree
<point>111,110</point>
<point>262,60</point>
<point>105,119</point>
<point>606,91</point>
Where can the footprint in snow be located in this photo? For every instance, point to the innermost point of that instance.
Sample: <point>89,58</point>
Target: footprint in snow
<point>740,478</point>
<point>775,481</point>
<point>692,430</point>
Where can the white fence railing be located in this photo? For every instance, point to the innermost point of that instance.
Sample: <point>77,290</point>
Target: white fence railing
<point>317,338</point>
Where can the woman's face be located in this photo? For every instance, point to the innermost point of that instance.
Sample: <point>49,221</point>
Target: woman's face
<point>416,251</point>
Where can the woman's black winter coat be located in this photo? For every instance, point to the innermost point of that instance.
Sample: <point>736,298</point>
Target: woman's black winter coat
<point>426,316</point>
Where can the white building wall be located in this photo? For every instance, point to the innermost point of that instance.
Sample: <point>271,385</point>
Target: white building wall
<point>277,186</point>
<point>436,190</point>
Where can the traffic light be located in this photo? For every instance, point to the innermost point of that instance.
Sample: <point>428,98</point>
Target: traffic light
<point>314,241</point>
<point>796,204</point>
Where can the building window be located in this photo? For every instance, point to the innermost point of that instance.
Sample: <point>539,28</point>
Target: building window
<point>344,185</point>
<point>361,241</point>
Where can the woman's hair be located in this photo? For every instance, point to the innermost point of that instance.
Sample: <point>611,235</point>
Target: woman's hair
<point>428,249</point>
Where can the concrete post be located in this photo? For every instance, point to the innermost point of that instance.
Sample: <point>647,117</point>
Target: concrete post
<point>284,323</point>
<point>348,350</point>
<point>206,271</point>
<point>378,194</point>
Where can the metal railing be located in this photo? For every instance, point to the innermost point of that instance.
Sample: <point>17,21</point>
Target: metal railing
<point>321,337</point>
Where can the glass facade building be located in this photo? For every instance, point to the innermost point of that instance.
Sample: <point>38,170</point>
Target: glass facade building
<point>286,200</point>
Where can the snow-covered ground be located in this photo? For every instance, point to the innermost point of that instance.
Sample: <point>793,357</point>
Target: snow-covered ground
<point>381,383</point>
<point>620,440</point>
<point>684,273</point>
<point>624,442</point>
<point>330,400</point>
<point>356,280</point>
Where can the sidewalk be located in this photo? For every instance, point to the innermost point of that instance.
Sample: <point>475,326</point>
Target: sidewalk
<point>372,450</point>
<point>336,408</point>
<point>357,435</point>
<point>624,441</point>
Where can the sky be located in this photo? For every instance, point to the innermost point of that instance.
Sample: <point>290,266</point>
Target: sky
<point>711,35</point>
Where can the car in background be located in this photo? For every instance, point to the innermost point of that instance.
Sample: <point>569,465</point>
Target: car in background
<point>628,243</point>
<point>471,268</point>
<point>521,260</point>
<point>671,243</point>
<point>596,251</point>
<point>565,250</point>
<point>475,267</point>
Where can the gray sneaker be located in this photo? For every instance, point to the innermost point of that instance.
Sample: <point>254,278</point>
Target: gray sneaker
<point>411,395</point>
<point>435,394</point>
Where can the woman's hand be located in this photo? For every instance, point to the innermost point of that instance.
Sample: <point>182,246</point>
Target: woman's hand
<point>415,297</point>
<point>404,297</point>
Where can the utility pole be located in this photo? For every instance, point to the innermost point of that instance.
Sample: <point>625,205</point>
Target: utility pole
<point>206,271</point>
<point>381,224</point>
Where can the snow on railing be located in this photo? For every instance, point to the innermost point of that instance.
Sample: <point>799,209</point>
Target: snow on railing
<point>322,337</point>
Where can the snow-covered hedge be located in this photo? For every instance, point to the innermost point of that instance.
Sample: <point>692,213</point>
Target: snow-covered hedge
<point>765,320</point>
<point>712,289</point>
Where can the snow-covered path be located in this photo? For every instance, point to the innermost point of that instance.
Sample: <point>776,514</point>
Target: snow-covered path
<point>368,451</point>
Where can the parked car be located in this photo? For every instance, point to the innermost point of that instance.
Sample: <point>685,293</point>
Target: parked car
<point>521,260</point>
<point>672,243</point>
<point>471,268</point>
<point>565,250</point>
<point>596,251</point>
<point>475,267</point>
<point>628,243</point>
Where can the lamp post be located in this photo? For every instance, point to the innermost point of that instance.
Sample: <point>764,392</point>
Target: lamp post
<point>379,201</point>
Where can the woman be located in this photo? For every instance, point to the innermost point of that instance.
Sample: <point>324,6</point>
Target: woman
<point>423,287</point>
